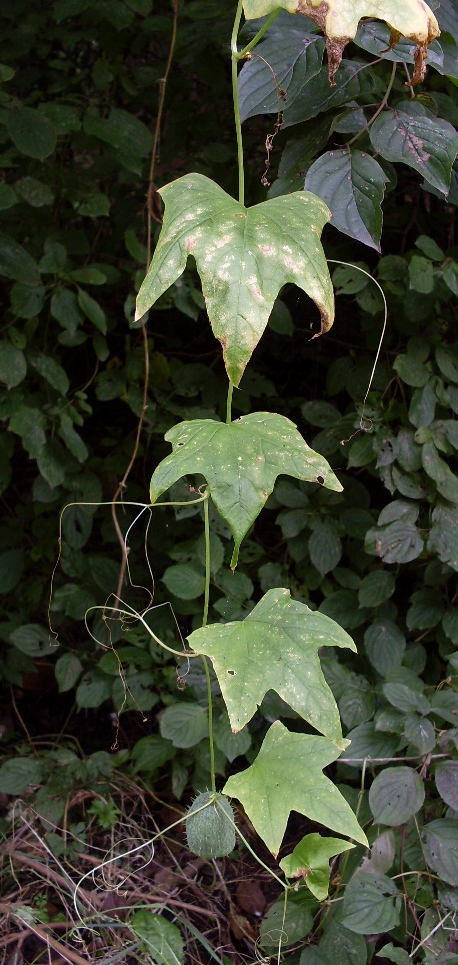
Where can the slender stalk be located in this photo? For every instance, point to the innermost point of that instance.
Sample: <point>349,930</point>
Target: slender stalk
<point>205,659</point>
<point>380,107</point>
<point>229,404</point>
<point>207,562</point>
<point>235,99</point>
<point>259,35</point>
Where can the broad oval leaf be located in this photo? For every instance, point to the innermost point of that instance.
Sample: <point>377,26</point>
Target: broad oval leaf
<point>13,365</point>
<point>275,648</point>
<point>287,775</point>
<point>352,184</point>
<point>325,548</point>
<point>243,256</point>
<point>339,20</point>
<point>17,773</point>
<point>427,144</point>
<point>245,458</point>
<point>31,132</point>
<point>289,60</point>
<point>184,724</point>
<point>385,645</point>
<point>371,904</point>
<point>396,795</point>
<point>15,261</point>
<point>162,938</point>
<point>440,846</point>
<point>446,777</point>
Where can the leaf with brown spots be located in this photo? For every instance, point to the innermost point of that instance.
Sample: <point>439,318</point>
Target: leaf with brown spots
<point>244,256</point>
<point>339,19</point>
<point>275,648</point>
<point>240,463</point>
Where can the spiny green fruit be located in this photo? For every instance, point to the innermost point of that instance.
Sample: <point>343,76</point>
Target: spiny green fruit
<point>209,831</point>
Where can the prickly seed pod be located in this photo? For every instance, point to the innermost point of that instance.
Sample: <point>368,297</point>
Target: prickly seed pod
<point>209,830</point>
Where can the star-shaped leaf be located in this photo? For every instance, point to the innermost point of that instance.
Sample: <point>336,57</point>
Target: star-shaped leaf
<point>339,20</point>
<point>310,861</point>
<point>287,775</point>
<point>275,648</point>
<point>240,462</point>
<point>243,256</point>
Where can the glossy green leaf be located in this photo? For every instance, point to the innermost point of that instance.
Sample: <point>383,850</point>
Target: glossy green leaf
<point>371,904</point>
<point>27,301</point>
<point>420,732</point>
<point>93,690</point>
<point>16,263</point>
<point>396,794</point>
<point>245,458</point>
<point>232,745</point>
<point>396,954</point>
<point>8,197</point>
<point>184,581</point>
<point>400,542</point>
<point>310,861</point>
<point>352,184</point>
<point>446,777</point>
<point>290,59</point>
<point>443,536</point>
<point>287,925</point>
<point>161,937</point>
<point>411,371</point>
<point>35,192</point>
<point>13,366</point>
<point>52,371</point>
<point>366,743</point>
<point>325,547</point>
<point>11,569</point>
<point>440,847</point>
<point>68,669</point>
<point>31,132</point>
<point>243,255</point>
<point>275,648</point>
<point>34,640</point>
<point>427,144</point>
<point>287,775</point>
<point>376,587</point>
<point>426,609</point>
<point>150,753</point>
<point>93,311</point>
<point>18,773</point>
<point>385,645</point>
<point>437,469</point>
<point>340,945</point>
<point>184,724</point>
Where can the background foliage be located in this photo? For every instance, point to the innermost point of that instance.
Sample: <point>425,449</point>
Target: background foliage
<point>78,105</point>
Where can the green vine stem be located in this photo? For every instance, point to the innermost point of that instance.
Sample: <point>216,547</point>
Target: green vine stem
<point>229,404</point>
<point>380,107</point>
<point>205,659</point>
<point>235,99</point>
<point>242,53</point>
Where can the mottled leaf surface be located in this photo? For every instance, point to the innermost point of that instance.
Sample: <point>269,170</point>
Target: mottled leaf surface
<point>352,184</point>
<point>288,775</point>
<point>275,648</point>
<point>339,20</point>
<point>427,144</point>
<point>240,463</point>
<point>243,256</point>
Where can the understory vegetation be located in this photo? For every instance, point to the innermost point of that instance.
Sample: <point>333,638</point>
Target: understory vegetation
<point>229,672</point>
